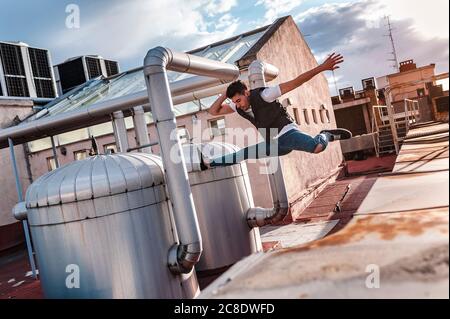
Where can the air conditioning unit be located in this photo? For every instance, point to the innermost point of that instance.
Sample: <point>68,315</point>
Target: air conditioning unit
<point>78,70</point>
<point>25,71</point>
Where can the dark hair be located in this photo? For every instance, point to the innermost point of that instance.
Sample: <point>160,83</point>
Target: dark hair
<point>237,87</point>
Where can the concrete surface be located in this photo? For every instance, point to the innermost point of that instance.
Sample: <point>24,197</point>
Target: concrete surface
<point>396,245</point>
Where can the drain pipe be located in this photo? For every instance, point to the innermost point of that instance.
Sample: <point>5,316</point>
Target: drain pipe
<point>183,256</point>
<point>257,216</point>
<point>141,130</point>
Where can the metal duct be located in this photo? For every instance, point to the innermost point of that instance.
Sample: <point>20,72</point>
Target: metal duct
<point>257,216</point>
<point>141,130</point>
<point>270,73</point>
<point>183,256</point>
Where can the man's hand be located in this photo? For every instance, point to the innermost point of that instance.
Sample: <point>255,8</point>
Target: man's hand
<point>331,63</point>
<point>219,107</point>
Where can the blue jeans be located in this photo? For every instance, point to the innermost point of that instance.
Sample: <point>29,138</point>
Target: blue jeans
<point>292,140</point>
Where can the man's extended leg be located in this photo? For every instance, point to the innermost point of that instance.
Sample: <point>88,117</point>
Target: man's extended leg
<point>257,151</point>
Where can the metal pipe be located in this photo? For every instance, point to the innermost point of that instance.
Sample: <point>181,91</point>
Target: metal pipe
<point>100,112</point>
<point>184,255</point>
<point>55,155</point>
<point>393,126</point>
<point>257,216</point>
<point>270,73</point>
<point>141,130</point>
<point>142,146</point>
<point>20,200</point>
<point>120,131</point>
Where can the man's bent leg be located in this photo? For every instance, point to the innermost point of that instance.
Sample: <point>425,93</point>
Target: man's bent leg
<point>299,141</point>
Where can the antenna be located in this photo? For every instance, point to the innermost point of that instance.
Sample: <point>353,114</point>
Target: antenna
<point>394,52</point>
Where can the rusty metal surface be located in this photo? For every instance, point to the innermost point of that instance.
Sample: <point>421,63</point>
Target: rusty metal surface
<point>401,228</point>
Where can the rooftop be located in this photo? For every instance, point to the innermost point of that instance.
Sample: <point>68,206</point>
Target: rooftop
<point>396,223</point>
<point>390,212</point>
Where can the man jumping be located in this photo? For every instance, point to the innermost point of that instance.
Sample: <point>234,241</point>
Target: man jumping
<point>262,109</point>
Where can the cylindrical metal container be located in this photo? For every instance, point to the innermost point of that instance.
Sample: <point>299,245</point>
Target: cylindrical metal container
<point>102,228</point>
<point>222,196</point>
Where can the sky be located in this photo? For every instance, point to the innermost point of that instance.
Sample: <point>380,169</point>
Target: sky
<point>125,30</point>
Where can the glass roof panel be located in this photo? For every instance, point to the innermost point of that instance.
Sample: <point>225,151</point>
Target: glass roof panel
<point>101,89</point>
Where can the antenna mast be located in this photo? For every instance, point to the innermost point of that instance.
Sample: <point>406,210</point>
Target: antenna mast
<point>394,60</point>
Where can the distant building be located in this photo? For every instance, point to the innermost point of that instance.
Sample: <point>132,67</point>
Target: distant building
<point>78,70</point>
<point>415,95</point>
<point>25,71</point>
<point>413,83</point>
<point>354,109</point>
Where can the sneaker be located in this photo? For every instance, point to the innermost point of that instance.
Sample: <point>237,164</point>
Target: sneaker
<point>338,134</point>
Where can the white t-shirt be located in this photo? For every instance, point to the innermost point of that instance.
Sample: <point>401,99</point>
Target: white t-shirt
<point>270,94</point>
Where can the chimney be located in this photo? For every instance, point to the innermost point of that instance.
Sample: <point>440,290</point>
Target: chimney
<point>407,65</point>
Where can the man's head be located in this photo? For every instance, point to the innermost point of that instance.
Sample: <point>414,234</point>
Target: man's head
<point>239,93</point>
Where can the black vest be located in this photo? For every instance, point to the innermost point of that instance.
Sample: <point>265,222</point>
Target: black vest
<point>266,116</point>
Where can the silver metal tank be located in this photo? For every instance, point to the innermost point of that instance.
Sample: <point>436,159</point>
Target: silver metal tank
<point>222,196</point>
<point>106,218</point>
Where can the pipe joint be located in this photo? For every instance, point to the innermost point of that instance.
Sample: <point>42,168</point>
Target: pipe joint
<point>182,258</point>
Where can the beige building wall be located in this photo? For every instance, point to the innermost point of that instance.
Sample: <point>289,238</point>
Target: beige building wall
<point>425,73</point>
<point>290,53</point>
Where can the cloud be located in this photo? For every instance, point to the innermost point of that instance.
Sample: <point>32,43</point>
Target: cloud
<point>215,7</point>
<point>276,8</point>
<point>357,30</point>
<point>126,30</point>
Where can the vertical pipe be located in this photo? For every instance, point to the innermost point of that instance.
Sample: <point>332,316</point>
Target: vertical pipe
<point>392,121</point>
<point>26,151</point>
<point>55,155</point>
<point>20,199</point>
<point>183,256</point>
<point>120,131</point>
<point>140,129</point>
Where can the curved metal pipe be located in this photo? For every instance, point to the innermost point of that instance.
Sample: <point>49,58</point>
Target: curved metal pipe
<point>183,256</point>
<point>270,73</point>
<point>257,216</point>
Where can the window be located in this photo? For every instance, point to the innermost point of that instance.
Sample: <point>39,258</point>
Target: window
<point>51,163</point>
<point>306,116</point>
<point>324,115</point>
<point>110,148</point>
<point>183,134</point>
<point>217,127</point>
<point>297,115</point>
<point>421,92</point>
<point>327,113</point>
<point>80,155</point>
<point>314,115</point>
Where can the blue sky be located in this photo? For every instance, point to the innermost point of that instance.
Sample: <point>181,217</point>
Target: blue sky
<point>124,30</point>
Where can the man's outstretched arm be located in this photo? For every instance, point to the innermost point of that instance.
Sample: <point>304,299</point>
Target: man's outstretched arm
<point>219,107</point>
<point>330,64</point>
